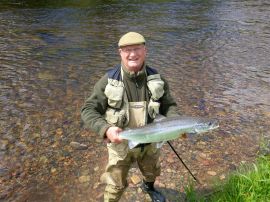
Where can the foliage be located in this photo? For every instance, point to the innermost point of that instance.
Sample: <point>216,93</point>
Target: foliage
<point>249,183</point>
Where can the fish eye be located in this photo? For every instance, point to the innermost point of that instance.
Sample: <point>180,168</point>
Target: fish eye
<point>210,123</point>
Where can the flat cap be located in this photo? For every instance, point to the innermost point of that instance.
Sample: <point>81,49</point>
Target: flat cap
<point>131,38</point>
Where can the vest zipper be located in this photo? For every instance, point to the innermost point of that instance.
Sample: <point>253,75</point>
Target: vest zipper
<point>137,86</point>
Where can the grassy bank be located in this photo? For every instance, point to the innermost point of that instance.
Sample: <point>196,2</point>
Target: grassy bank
<point>249,183</point>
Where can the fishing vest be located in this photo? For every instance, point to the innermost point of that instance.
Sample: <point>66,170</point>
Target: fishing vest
<point>118,111</point>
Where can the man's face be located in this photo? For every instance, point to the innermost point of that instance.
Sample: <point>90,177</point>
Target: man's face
<point>133,56</point>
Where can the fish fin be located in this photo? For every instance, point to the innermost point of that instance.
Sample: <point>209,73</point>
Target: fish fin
<point>159,118</point>
<point>160,144</point>
<point>132,144</point>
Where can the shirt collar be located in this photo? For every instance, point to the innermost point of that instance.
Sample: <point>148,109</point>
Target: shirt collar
<point>131,74</point>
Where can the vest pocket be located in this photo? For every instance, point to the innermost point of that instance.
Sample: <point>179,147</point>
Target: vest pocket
<point>114,95</point>
<point>115,117</point>
<point>156,86</point>
<point>115,103</point>
<point>153,108</point>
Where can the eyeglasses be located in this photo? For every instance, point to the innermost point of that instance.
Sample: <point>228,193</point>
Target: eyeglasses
<point>129,50</point>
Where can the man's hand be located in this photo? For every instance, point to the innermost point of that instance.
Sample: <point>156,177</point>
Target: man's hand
<point>112,134</point>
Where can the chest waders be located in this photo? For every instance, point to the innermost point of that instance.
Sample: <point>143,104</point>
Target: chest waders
<point>123,113</point>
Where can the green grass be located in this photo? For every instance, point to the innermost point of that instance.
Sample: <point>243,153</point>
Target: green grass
<point>247,184</point>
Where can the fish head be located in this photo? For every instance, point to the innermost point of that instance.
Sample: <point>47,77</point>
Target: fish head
<point>206,125</point>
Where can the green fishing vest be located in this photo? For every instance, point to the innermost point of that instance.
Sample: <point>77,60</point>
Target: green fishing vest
<point>118,111</point>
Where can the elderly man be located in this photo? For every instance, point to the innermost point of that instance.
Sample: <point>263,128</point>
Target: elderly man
<point>129,95</point>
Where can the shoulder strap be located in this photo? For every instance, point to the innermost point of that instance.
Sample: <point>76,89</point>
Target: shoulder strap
<point>115,73</point>
<point>150,71</point>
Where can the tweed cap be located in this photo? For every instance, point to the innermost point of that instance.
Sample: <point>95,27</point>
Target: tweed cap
<point>131,38</point>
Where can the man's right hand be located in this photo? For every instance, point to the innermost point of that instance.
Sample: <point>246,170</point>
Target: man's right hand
<point>112,134</point>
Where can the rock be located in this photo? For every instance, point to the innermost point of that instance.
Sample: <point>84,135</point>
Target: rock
<point>35,136</point>
<point>135,179</point>
<point>170,160</point>
<point>46,75</point>
<point>3,195</point>
<point>139,190</point>
<point>169,170</point>
<point>206,162</point>
<point>203,155</point>
<point>172,186</point>
<point>96,168</point>
<point>99,140</point>
<point>84,172</point>
<point>161,185</point>
<point>84,178</point>
<point>3,172</point>
<point>43,160</point>
<point>212,173</point>
<point>59,131</point>
<point>21,145</point>
<point>3,145</point>
<point>77,145</point>
<point>222,177</point>
<point>26,127</point>
<point>53,170</point>
<point>232,167</point>
<point>10,139</point>
<point>184,136</point>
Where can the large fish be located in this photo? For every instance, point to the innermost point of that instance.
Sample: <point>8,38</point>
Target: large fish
<point>167,129</point>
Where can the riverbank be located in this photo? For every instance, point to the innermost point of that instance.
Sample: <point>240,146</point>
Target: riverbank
<point>67,168</point>
<point>249,183</point>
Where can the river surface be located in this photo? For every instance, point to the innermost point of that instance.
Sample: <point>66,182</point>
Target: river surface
<point>214,54</point>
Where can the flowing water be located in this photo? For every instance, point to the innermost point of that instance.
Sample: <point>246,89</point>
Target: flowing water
<point>214,54</point>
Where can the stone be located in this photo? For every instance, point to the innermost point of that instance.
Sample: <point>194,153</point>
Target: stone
<point>169,170</point>
<point>84,172</point>
<point>53,170</point>
<point>212,173</point>
<point>206,162</point>
<point>77,145</point>
<point>172,186</point>
<point>3,145</point>
<point>46,75</point>
<point>135,179</point>
<point>99,140</point>
<point>222,177</point>
<point>84,178</point>
<point>170,160</point>
<point>203,155</point>
<point>43,159</point>
<point>59,131</point>
<point>35,135</point>
<point>4,172</point>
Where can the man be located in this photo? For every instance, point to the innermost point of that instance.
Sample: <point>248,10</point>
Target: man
<point>129,95</point>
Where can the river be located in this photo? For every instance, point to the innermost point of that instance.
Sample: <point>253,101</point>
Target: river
<point>214,54</point>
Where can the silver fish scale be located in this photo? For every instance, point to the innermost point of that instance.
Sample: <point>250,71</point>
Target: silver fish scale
<point>168,129</point>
